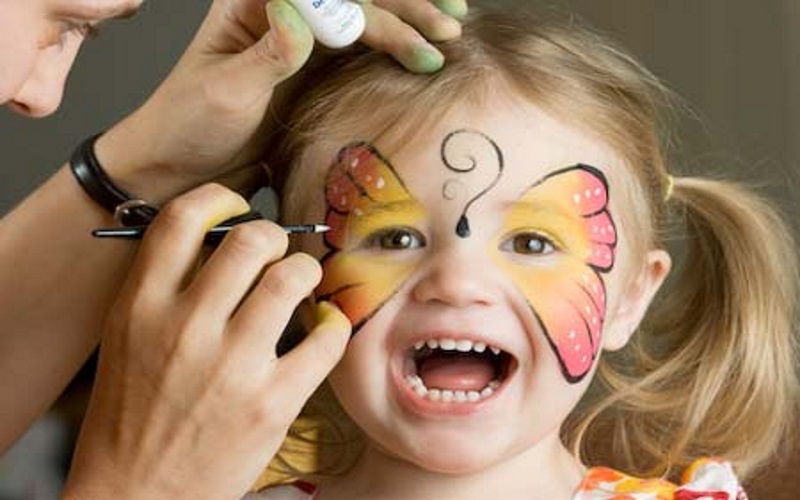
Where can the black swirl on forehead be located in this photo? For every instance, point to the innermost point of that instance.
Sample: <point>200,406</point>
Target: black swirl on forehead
<point>464,164</point>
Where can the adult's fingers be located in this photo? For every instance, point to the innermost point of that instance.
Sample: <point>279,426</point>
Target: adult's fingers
<point>306,366</point>
<point>277,55</point>
<point>262,317</point>
<point>388,33</point>
<point>232,269</point>
<point>172,241</point>
<point>433,23</point>
<point>454,8</point>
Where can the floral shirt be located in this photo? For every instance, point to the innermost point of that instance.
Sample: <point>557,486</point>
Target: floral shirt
<point>705,479</point>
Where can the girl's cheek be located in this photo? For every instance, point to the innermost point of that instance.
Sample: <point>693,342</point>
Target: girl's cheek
<point>361,285</point>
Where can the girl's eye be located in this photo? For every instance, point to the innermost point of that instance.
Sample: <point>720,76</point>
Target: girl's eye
<point>529,244</point>
<point>396,238</point>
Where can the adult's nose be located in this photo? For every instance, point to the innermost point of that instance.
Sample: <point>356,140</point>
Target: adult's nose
<point>43,90</point>
<point>459,275</point>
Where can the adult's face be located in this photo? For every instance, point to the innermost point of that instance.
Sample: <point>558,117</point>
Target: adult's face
<point>39,40</point>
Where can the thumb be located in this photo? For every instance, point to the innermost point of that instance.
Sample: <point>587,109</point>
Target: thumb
<point>283,49</point>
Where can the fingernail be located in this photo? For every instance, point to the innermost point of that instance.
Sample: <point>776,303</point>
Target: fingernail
<point>323,311</point>
<point>326,312</point>
<point>454,8</point>
<point>425,59</point>
<point>287,15</point>
<point>290,35</point>
<point>225,209</point>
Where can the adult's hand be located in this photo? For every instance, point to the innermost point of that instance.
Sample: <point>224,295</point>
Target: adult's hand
<point>198,123</point>
<point>194,127</point>
<point>190,399</point>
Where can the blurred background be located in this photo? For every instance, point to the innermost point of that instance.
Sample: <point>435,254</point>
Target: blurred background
<point>736,63</point>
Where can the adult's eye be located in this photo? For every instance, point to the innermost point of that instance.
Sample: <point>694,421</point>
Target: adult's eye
<point>396,238</point>
<point>529,244</point>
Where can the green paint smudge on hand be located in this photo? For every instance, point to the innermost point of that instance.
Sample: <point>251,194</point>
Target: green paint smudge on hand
<point>455,8</point>
<point>423,59</point>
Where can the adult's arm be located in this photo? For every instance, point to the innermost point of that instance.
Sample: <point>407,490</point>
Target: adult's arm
<point>56,282</point>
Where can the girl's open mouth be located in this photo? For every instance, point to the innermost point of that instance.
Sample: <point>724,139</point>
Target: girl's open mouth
<point>453,370</point>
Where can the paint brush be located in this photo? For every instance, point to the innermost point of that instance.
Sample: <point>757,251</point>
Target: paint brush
<point>214,235</point>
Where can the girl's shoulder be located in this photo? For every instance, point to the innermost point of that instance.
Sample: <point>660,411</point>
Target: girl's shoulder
<point>707,478</point>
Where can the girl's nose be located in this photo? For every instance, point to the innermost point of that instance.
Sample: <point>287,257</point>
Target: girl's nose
<point>458,276</point>
<point>41,93</point>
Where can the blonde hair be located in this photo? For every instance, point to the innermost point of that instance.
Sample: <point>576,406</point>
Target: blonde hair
<point>711,371</point>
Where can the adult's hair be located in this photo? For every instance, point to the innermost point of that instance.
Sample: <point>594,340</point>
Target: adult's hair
<point>712,369</point>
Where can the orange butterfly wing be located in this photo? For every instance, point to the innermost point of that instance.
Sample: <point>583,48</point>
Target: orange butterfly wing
<point>361,179</point>
<point>569,298</point>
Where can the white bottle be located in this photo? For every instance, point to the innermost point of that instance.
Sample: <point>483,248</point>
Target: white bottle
<point>335,23</point>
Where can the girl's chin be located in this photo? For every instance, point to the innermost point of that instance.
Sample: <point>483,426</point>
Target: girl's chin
<point>444,461</point>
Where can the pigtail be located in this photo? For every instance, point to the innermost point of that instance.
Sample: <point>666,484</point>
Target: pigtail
<point>713,369</point>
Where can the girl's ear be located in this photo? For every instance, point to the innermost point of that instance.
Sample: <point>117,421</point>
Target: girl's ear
<point>635,300</point>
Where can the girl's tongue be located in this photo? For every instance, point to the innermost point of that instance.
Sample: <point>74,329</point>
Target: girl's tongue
<point>456,371</point>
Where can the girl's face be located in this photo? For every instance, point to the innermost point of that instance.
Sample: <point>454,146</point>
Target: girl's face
<point>480,267</point>
<point>39,40</point>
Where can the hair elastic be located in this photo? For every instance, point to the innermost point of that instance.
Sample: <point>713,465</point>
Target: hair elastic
<point>670,189</point>
<point>128,210</point>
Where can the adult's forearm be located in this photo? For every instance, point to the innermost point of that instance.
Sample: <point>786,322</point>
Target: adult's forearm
<point>56,285</point>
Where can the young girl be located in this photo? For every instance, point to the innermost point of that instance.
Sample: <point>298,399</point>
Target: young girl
<point>497,240</point>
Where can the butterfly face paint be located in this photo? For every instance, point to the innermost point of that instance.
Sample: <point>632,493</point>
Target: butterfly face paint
<point>563,221</point>
<point>369,208</point>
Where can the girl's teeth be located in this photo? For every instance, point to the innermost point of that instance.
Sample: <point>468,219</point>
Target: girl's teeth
<point>461,345</point>
<point>464,345</point>
<point>447,344</point>
<point>416,383</point>
<point>448,395</point>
